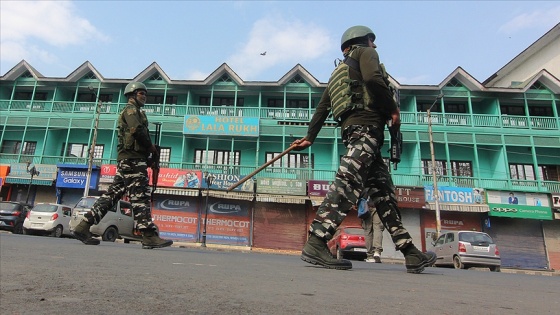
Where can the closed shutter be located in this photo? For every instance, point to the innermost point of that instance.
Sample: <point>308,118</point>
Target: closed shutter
<point>552,239</point>
<point>520,242</point>
<point>70,196</point>
<point>46,194</point>
<point>279,226</point>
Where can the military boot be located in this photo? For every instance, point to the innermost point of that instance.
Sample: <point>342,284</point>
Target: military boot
<point>415,261</point>
<point>150,240</point>
<point>81,232</point>
<point>316,252</point>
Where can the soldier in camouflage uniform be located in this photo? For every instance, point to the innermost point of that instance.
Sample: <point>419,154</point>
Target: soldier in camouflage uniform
<point>362,172</point>
<point>134,147</point>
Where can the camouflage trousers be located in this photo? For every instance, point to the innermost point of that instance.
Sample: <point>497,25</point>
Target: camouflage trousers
<point>361,173</point>
<point>131,178</point>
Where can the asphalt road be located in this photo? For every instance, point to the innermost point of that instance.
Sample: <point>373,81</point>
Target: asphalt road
<point>43,275</point>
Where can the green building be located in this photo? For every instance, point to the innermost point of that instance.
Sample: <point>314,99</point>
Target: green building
<point>491,140</point>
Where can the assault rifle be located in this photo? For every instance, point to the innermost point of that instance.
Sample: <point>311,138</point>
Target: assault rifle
<point>396,135</point>
<point>153,159</point>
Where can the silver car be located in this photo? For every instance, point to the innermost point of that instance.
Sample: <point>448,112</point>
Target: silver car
<point>465,249</point>
<point>117,223</point>
<point>48,218</point>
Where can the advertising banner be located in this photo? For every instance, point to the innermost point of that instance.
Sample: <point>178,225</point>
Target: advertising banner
<point>455,194</point>
<point>75,176</point>
<point>281,186</point>
<point>228,221</point>
<point>46,171</point>
<point>107,173</point>
<point>221,125</point>
<point>556,201</point>
<point>176,217</point>
<point>318,188</point>
<point>224,181</point>
<point>410,197</point>
<point>519,205</point>
<point>171,177</point>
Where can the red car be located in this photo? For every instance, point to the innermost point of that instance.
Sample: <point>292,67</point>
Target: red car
<point>348,241</point>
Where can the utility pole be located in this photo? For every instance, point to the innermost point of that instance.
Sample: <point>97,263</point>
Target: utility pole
<point>434,170</point>
<point>93,141</point>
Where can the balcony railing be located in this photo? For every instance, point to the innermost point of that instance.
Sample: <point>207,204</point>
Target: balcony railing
<point>296,114</point>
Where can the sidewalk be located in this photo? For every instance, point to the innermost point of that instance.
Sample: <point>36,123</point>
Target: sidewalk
<point>395,261</point>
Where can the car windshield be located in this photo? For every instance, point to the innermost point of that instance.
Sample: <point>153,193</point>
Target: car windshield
<point>354,231</point>
<point>472,237</point>
<point>8,206</point>
<point>86,203</point>
<point>44,208</point>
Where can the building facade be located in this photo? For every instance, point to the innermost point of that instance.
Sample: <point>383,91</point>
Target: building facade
<point>496,146</point>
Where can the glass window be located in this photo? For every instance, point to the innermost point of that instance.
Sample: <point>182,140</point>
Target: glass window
<point>14,147</point>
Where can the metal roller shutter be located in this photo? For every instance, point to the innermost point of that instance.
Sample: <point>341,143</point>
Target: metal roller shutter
<point>520,242</point>
<point>279,226</point>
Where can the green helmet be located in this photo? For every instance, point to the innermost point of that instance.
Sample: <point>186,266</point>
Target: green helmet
<point>134,86</point>
<point>355,32</point>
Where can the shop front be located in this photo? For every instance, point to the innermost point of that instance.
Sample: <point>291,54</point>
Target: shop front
<point>280,214</point>
<point>551,230</point>
<point>31,183</point>
<point>71,182</point>
<point>460,208</point>
<point>4,171</point>
<point>515,223</point>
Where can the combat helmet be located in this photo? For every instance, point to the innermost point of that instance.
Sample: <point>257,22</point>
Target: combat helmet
<point>355,32</point>
<point>134,86</point>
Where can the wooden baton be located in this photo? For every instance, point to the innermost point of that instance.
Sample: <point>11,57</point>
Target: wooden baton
<point>262,167</point>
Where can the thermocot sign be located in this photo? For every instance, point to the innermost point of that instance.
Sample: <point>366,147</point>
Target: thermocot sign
<point>221,125</point>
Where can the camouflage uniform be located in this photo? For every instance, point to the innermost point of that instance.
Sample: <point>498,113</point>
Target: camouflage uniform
<point>132,169</point>
<point>361,169</point>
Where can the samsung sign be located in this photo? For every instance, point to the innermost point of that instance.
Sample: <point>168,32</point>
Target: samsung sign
<point>75,178</point>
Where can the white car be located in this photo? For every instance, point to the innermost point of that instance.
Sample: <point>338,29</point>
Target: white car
<point>48,218</point>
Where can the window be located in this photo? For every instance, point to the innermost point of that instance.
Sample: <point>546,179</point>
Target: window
<point>454,108</point>
<point>292,160</point>
<point>158,99</point>
<point>15,147</point>
<point>522,171</point>
<point>165,155</point>
<point>220,101</point>
<point>290,103</point>
<point>90,97</point>
<point>81,150</point>
<point>512,110</point>
<point>458,168</point>
<point>218,157</point>
<point>549,172</point>
<point>540,111</point>
<point>423,107</point>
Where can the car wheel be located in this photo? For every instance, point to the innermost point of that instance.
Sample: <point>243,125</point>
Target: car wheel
<point>457,263</point>
<point>339,254</point>
<point>57,232</point>
<point>495,268</point>
<point>18,229</point>
<point>110,234</point>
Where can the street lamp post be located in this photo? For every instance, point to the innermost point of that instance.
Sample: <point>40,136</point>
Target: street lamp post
<point>34,172</point>
<point>209,179</point>
<point>93,141</point>
<point>434,169</point>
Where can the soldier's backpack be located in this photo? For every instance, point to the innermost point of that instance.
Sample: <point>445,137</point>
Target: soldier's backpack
<point>342,90</point>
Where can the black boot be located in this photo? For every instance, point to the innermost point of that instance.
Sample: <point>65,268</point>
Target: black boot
<point>316,252</point>
<point>415,261</point>
<point>150,240</point>
<point>81,232</point>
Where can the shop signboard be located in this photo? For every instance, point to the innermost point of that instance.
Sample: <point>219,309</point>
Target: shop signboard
<point>221,125</point>
<point>519,205</point>
<point>281,186</point>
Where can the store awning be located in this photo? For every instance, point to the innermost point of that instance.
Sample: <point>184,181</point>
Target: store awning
<point>25,181</point>
<point>177,191</point>
<point>282,198</point>
<point>460,207</point>
<point>316,200</point>
<point>228,195</point>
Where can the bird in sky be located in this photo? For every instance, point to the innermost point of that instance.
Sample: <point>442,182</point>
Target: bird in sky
<point>263,53</point>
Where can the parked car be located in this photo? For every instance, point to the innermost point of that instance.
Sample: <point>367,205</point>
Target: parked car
<point>12,215</point>
<point>48,218</point>
<point>117,223</point>
<point>348,241</point>
<point>465,249</point>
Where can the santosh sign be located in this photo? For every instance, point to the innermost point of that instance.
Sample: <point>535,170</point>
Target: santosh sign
<point>221,125</point>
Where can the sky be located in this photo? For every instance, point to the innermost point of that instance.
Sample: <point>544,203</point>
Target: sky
<point>420,42</point>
